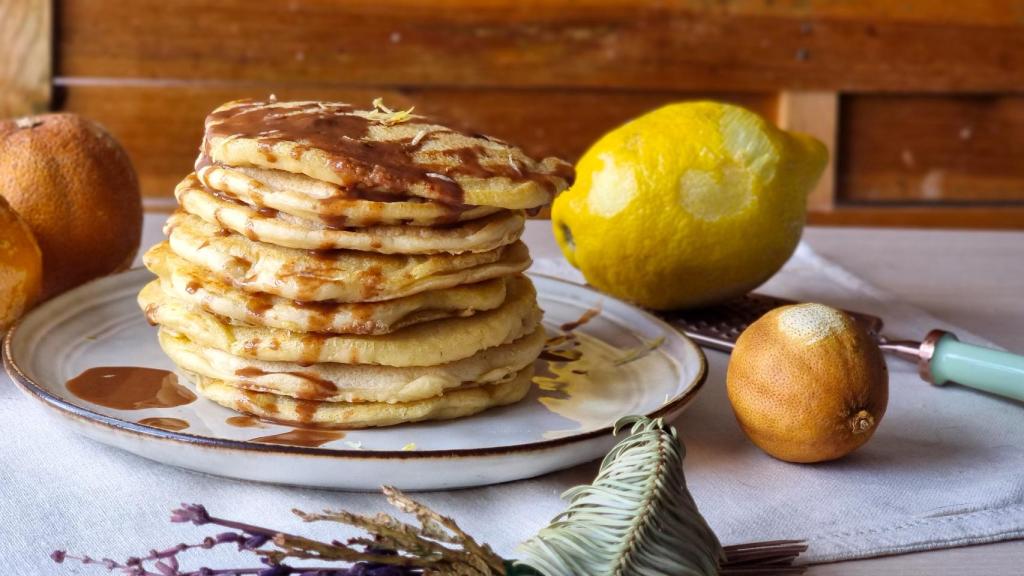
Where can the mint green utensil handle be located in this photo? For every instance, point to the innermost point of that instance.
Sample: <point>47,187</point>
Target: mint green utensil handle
<point>985,369</point>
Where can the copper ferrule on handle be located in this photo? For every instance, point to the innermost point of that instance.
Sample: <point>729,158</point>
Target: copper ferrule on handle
<point>920,352</point>
<point>927,352</point>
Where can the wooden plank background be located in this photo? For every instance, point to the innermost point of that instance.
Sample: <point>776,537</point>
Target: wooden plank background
<point>25,56</point>
<point>688,45</point>
<point>920,101</point>
<point>925,149</point>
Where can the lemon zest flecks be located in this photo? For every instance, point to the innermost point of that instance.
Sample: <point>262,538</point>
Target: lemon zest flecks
<point>386,116</point>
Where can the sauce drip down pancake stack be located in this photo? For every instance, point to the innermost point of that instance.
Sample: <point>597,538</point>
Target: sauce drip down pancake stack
<point>349,268</point>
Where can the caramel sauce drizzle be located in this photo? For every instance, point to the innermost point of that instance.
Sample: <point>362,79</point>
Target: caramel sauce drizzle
<point>321,387</point>
<point>587,316</point>
<point>359,161</point>
<point>565,346</point>
<point>257,303</point>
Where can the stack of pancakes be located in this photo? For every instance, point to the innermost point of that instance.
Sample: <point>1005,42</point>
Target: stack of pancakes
<point>340,267</point>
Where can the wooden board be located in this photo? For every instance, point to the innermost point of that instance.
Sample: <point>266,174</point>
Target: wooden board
<point>25,57</point>
<point>815,113</point>
<point>918,149</point>
<point>1004,217</point>
<point>690,45</point>
<point>161,126</point>
<point>920,102</point>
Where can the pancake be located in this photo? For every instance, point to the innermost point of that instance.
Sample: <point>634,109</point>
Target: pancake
<point>478,235</point>
<point>344,415</point>
<point>374,150</point>
<point>423,344</point>
<point>314,200</point>
<point>354,382</point>
<point>344,276</point>
<point>195,285</point>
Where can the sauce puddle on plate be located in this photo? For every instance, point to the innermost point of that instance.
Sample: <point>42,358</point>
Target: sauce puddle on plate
<point>172,424</point>
<point>308,438</point>
<point>130,388</point>
<point>303,437</point>
<point>244,422</point>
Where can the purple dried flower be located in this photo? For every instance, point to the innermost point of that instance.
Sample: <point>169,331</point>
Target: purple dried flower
<point>248,538</point>
<point>194,513</point>
<point>253,542</point>
<point>367,569</point>
<point>279,570</point>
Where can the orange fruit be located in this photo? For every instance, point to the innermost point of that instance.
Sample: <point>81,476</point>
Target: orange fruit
<point>21,266</point>
<point>75,187</point>
<point>807,383</point>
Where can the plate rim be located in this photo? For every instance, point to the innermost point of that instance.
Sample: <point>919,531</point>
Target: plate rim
<point>36,391</point>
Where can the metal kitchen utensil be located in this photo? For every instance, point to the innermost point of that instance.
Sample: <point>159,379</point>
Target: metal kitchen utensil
<point>941,357</point>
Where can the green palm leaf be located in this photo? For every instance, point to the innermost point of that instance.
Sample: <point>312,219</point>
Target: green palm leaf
<point>637,518</point>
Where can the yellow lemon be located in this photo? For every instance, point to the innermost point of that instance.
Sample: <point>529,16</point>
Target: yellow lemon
<point>688,205</point>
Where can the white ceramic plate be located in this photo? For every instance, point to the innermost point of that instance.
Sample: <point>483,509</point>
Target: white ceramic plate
<point>560,424</point>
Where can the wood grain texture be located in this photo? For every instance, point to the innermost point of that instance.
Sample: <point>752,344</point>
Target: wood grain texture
<point>25,57</point>
<point>865,45</point>
<point>963,149</point>
<point>917,123</point>
<point>995,217</point>
<point>815,113</point>
<point>161,126</point>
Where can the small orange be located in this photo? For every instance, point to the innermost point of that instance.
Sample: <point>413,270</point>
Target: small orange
<point>75,187</point>
<point>21,266</point>
<point>807,383</point>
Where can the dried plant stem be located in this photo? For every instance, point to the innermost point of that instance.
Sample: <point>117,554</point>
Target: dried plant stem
<point>423,546</point>
<point>763,558</point>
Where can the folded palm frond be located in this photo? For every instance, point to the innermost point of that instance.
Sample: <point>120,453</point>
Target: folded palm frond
<point>637,518</point>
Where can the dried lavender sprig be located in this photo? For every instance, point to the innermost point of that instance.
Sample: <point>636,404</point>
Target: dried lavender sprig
<point>134,565</point>
<point>171,568</point>
<point>198,515</point>
<point>248,538</point>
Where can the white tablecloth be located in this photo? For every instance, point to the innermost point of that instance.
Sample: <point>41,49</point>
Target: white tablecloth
<point>946,468</point>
